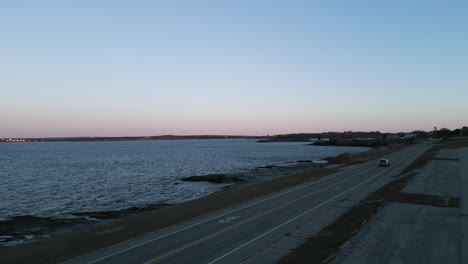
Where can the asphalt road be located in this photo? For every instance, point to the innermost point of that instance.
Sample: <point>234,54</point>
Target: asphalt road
<point>415,233</point>
<point>232,235</point>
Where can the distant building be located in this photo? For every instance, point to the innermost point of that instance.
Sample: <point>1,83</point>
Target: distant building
<point>409,136</point>
<point>319,139</point>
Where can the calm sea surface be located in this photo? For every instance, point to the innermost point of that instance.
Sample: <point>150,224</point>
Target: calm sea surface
<point>58,178</point>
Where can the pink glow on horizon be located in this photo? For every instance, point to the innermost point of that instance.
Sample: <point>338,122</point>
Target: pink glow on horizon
<point>160,68</point>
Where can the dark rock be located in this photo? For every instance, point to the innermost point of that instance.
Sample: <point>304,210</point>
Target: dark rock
<point>100,215</point>
<point>119,213</point>
<point>24,229</point>
<point>304,161</point>
<point>302,137</point>
<point>340,159</point>
<point>268,167</point>
<point>215,178</point>
<point>23,225</point>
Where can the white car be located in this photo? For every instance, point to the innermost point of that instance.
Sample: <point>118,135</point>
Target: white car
<point>384,163</point>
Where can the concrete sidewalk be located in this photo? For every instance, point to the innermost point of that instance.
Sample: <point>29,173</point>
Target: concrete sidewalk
<point>412,233</point>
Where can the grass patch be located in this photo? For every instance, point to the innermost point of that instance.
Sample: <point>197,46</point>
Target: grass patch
<point>327,242</point>
<point>61,248</point>
<point>423,159</point>
<point>423,199</point>
<point>452,143</point>
<point>455,142</point>
<point>452,159</point>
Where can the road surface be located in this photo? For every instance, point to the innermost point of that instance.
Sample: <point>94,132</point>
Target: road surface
<point>410,232</point>
<point>233,235</point>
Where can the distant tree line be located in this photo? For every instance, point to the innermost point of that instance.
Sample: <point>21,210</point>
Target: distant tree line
<point>361,135</point>
<point>445,132</point>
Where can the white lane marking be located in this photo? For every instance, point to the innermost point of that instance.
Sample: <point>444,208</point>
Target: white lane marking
<point>235,210</point>
<point>213,218</point>
<point>294,218</point>
<point>308,211</point>
<point>229,219</point>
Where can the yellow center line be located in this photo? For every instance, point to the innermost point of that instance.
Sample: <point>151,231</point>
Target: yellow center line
<point>167,254</point>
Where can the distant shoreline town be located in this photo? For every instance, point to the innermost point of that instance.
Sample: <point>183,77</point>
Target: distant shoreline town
<point>139,138</point>
<point>324,138</point>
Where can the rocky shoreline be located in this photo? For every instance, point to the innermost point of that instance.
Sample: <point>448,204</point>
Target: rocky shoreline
<point>25,229</point>
<point>214,178</point>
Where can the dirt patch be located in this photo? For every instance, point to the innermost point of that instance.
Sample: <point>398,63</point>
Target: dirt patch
<point>423,199</point>
<point>452,159</point>
<point>430,154</point>
<point>423,159</point>
<point>214,178</point>
<point>455,142</point>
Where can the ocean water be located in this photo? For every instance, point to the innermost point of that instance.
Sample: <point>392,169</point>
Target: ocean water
<point>55,179</point>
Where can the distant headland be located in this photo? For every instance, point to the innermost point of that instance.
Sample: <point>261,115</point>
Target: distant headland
<point>346,138</point>
<point>138,138</point>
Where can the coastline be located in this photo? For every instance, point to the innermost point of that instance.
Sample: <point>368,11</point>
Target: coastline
<point>129,138</point>
<point>27,229</point>
<point>63,178</point>
<point>24,229</point>
<point>79,242</point>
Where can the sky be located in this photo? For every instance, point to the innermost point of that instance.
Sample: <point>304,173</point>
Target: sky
<point>247,67</point>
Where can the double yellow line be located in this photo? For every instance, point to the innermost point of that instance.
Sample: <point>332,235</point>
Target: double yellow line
<point>172,252</point>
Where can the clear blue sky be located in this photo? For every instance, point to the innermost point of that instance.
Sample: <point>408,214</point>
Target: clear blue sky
<point>117,68</point>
